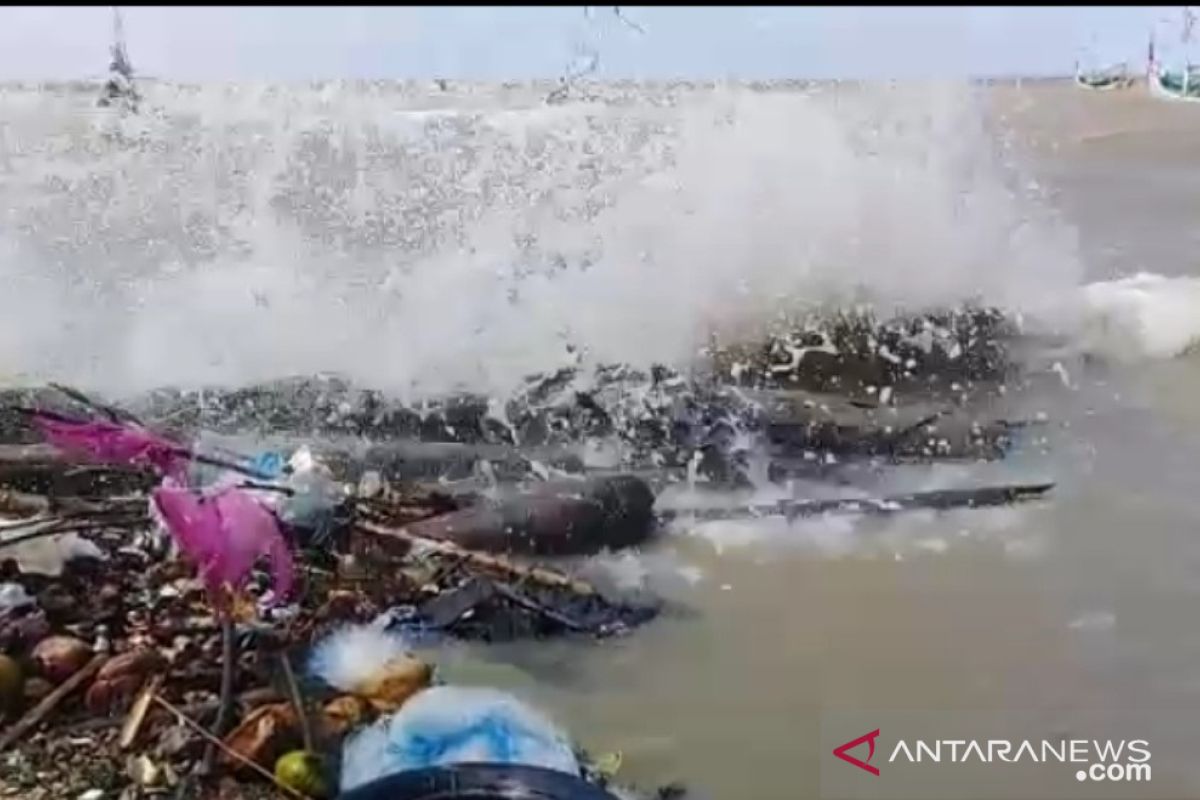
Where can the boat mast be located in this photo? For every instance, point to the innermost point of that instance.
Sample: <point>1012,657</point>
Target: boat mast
<point>1189,19</point>
<point>119,88</point>
<point>120,58</point>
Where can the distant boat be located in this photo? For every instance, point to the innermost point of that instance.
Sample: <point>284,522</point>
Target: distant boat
<point>1178,83</point>
<point>1114,77</point>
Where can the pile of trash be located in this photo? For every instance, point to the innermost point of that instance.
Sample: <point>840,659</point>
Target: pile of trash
<point>164,589</point>
<point>223,588</point>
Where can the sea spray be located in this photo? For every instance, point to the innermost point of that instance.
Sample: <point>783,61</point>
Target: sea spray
<point>429,242</point>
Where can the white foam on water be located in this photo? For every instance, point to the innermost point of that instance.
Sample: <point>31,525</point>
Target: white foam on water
<point>420,242</point>
<point>354,654</point>
<point>909,535</point>
<point>1144,316</point>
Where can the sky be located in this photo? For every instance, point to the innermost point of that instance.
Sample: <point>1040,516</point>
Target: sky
<point>282,43</point>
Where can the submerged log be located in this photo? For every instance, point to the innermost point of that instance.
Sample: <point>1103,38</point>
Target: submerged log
<point>940,500</point>
<point>555,518</point>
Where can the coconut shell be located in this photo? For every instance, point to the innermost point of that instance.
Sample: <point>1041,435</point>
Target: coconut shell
<point>59,657</point>
<point>397,681</point>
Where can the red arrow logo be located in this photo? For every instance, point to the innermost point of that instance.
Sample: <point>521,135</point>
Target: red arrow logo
<point>869,738</point>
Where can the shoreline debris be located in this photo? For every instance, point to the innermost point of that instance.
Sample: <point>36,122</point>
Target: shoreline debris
<point>324,506</point>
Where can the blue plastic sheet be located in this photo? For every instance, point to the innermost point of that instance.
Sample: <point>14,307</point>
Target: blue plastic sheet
<point>448,725</point>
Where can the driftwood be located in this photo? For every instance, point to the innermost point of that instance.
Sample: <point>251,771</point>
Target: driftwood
<point>297,699</point>
<point>35,715</point>
<point>937,500</point>
<point>216,743</point>
<point>558,518</point>
<point>249,699</point>
<point>229,656</point>
<point>483,562</point>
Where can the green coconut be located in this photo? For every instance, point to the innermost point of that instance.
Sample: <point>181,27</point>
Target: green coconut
<point>304,772</point>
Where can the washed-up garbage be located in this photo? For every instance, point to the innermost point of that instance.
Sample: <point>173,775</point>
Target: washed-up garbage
<point>171,663</point>
<point>424,727</point>
<point>556,518</point>
<point>313,497</point>
<point>427,728</point>
<point>46,555</point>
<point>14,596</point>
<point>166,651</point>
<point>448,725</point>
<point>481,782</point>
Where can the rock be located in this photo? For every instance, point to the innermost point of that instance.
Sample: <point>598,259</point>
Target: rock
<point>11,684</point>
<point>59,657</point>
<point>21,632</point>
<point>144,772</point>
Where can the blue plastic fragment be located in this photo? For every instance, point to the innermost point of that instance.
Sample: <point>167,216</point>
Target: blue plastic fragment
<point>269,464</point>
<point>447,725</point>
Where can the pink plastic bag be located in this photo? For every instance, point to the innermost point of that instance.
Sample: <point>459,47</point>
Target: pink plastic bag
<point>224,534</point>
<point>112,443</point>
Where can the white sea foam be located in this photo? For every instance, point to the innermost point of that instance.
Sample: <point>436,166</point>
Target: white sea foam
<point>1140,317</point>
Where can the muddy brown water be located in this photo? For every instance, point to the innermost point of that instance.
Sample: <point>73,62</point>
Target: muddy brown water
<point>1078,618</point>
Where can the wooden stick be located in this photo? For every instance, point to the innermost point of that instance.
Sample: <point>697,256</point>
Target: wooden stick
<point>940,500</point>
<point>293,688</point>
<point>112,413</point>
<point>35,715</point>
<point>228,664</point>
<point>22,503</point>
<point>217,743</point>
<point>493,563</point>
<point>54,528</point>
<point>251,698</point>
<point>897,438</point>
<point>29,454</point>
<point>137,713</point>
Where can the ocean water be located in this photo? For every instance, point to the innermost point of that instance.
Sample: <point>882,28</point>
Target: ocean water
<point>421,240</point>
